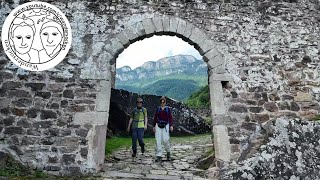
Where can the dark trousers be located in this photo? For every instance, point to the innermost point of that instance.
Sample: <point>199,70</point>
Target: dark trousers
<point>137,133</point>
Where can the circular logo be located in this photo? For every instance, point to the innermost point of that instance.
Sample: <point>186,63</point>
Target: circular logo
<point>36,36</point>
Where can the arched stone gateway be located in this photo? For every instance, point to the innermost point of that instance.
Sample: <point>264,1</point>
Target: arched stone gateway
<point>268,51</point>
<point>160,25</point>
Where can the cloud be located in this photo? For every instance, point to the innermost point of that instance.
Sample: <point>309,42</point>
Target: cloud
<point>154,48</point>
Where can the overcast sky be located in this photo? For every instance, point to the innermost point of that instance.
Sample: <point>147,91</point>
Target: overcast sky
<point>154,48</point>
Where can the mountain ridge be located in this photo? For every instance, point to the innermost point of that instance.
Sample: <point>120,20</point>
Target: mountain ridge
<point>183,73</point>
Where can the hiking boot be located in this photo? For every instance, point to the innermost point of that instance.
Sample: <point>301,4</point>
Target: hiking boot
<point>142,150</point>
<point>168,156</point>
<point>158,159</point>
<point>134,155</point>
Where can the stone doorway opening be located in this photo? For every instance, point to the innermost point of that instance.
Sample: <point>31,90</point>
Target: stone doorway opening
<point>160,25</point>
<point>186,150</point>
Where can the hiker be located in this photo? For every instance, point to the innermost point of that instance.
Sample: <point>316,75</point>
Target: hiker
<point>161,127</point>
<point>139,122</point>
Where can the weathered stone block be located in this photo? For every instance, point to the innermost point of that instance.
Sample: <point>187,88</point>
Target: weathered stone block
<point>84,152</point>
<point>306,106</point>
<point>283,105</point>
<point>157,22</point>
<point>11,85</point>
<point>73,170</point>
<point>78,108</point>
<point>260,118</point>
<point>42,124</point>
<point>47,141</point>
<point>33,132</point>
<point>181,26</point>
<point>256,109</point>
<point>53,106</point>
<point>68,149</point>
<point>173,24</point>
<point>64,103</point>
<point>52,168</point>
<point>148,26</point>
<point>214,52</point>
<point>206,46</point>
<point>198,36</point>
<point>24,123</point>
<point>13,140</point>
<point>68,159</point>
<point>115,48</point>
<point>19,93</point>
<point>67,141</point>
<point>65,132</point>
<point>30,140</point>
<point>36,86</point>
<point>52,159</point>
<point>104,93</point>
<point>238,108</point>
<point>274,97</point>
<point>256,89</point>
<point>251,102</point>
<point>13,130</point>
<point>32,113</point>
<point>8,121</point>
<point>216,94</point>
<point>4,102</point>
<point>48,114</point>
<point>294,106</point>
<point>188,30</point>
<point>17,112</point>
<point>166,23</point>
<point>221,143</point>
<point>5,111</point>
<point>45,95</point>
<point>131,34</point>
<point>53,132</point>
<point>249,126</point>
<point>82,132</point>
<point>6,74</point>
<point>23,102</point>
<point>123,39</point>
<point>234,94</point>
<point>68,94</point>
<point>303,97</point>
<point>271,107</point>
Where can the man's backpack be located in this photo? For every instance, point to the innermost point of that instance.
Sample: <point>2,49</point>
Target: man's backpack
<point>161,122</point>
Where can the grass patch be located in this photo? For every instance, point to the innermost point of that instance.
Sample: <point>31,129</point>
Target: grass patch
<point>316,118</point>
<point>12,169</point>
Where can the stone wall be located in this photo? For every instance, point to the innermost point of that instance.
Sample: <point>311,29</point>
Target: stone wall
<point>291,152</point>
<point>268,51</point>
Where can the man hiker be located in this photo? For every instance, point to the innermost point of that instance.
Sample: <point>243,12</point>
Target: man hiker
<point>161,126</point>
<point>139,122</point>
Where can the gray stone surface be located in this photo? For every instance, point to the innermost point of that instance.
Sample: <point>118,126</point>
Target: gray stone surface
<point>148,26</point>
<point>294,143</point>
<point>179,168</point>
<point>157,21</point>
<point>103,96</point>
<point>221,143</point>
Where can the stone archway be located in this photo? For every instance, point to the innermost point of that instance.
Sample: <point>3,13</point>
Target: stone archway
<point>105,73</point>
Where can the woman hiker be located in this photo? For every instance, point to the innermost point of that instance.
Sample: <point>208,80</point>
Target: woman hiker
<point>161,127</point>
